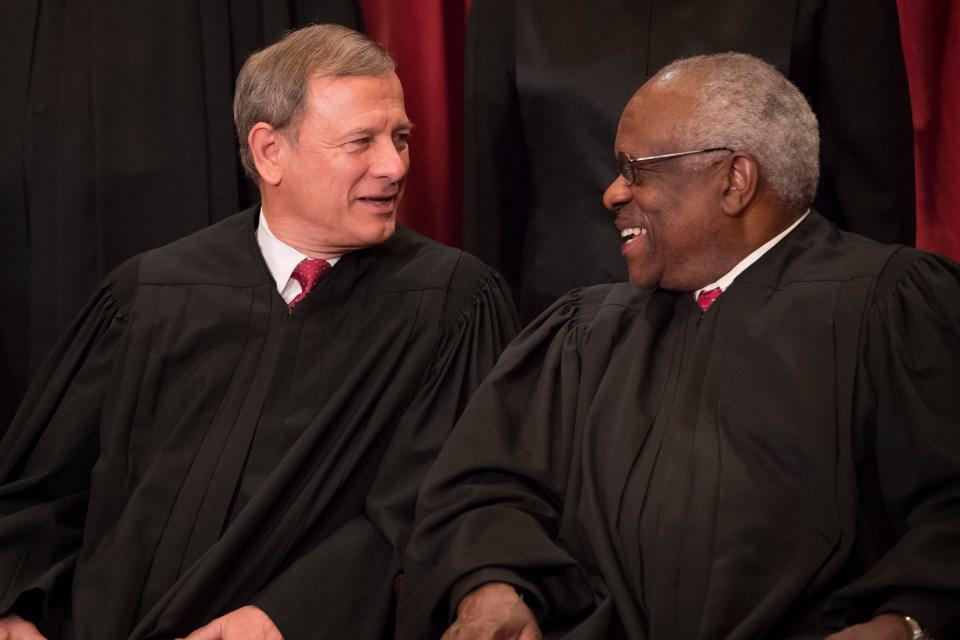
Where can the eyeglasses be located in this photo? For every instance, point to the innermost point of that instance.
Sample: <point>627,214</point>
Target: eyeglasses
<point>627,166</point>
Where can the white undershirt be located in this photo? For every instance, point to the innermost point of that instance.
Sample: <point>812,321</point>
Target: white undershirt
<point>281,259</point>
<point>731,275</point>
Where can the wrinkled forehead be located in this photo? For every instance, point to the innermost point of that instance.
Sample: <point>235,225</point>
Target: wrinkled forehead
<point>653,117</point>
<point>321,85</point>
<point>339,96</point>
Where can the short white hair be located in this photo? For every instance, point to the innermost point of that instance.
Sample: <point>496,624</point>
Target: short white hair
<point>743,103</point>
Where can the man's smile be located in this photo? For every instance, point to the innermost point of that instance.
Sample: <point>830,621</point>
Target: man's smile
<point>632,233</point>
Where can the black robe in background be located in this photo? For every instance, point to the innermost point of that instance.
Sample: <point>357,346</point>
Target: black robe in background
<point>784,465</point>
<point>547,80</point>
<point>239,454</point>
<point>118,129</point>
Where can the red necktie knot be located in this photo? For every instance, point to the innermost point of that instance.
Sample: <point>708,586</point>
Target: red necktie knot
<point>307,272</point>
<point>707,298</point>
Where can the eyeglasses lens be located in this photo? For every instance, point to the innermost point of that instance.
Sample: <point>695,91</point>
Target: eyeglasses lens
<point>625,168</point>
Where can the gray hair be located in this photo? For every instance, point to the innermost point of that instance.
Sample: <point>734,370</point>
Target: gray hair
<point>272,85</point>
<point>743,103</point>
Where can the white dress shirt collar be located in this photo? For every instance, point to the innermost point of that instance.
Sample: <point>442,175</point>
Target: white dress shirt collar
<point>726,280</point>
<point>281,259</point>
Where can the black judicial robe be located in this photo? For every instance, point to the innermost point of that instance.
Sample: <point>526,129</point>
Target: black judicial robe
<point>192,447</point>
<point>547,80</point>
<point>785,464</point>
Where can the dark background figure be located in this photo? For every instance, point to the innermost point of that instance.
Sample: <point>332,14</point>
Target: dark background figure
<point>546,82</point>
<point>123,115</point>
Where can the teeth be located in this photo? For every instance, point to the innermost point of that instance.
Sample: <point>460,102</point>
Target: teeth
<point>632,233</point>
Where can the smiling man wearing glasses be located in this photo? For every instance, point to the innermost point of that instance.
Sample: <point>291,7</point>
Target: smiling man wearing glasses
<point>757,437</point>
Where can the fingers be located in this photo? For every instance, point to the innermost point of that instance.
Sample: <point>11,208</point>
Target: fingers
<point>531,634</point>
<point>14,627</point>
<point>211,631</point>
<point>491,629</point>
<point>885,626</point>
<point>245,623</point>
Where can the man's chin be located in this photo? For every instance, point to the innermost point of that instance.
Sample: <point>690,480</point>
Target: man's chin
<point>383,232</point>
<point>389,228</point>
<point>656,279</point>
<point>643,286</point>
<point>644,280</point>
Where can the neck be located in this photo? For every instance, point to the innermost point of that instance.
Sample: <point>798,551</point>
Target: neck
<point>289,230</point>
<point>748,233</point>
<point>766,220</point>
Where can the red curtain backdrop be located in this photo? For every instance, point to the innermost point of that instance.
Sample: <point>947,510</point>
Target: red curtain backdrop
<point>426,39</point>
<point>930,30</point>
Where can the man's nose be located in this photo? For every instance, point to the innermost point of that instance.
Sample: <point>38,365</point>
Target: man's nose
<point>390,162</point>
<point>617,194</point>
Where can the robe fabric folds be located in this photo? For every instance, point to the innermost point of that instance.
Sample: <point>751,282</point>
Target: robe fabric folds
<point>193,446</point>
<point>783,465</point>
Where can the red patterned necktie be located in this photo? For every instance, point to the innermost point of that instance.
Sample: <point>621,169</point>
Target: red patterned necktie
<point>706,298</point>
<point>307,272</point>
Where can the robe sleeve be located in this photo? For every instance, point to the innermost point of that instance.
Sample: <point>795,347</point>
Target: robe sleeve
<point>319,594</point>
<point>912,364</point>
<point>496,201</point>
<point>490,508</point>
<point>46,458</point>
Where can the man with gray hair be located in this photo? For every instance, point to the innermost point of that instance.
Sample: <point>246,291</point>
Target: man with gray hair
<point>758,437</point>
<point>229,442</point>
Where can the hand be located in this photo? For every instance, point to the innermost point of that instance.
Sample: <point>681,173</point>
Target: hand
<point>13,627</point>
<point>886,626</point>
<point>493,611</point>
<point>245,623</point>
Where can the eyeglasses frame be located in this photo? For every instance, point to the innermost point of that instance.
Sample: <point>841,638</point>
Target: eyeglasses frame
<point>625,163</point>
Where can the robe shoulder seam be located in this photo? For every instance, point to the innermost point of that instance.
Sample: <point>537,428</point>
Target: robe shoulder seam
<point>896,268</point>
<point>467,283</point>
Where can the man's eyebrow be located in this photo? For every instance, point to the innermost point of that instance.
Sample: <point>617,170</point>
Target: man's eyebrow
<point>368,131</point>
<point>359,131</point>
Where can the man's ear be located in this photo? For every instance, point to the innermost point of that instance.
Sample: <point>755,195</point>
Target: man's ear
<point>743,177</point>
<point>266,145</point>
